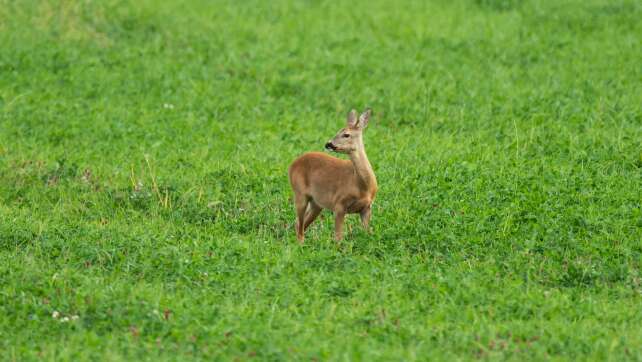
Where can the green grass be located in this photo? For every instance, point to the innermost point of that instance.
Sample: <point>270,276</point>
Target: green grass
<point>144,149</point>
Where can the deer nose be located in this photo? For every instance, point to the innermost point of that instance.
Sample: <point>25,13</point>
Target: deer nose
<point>329,146</point>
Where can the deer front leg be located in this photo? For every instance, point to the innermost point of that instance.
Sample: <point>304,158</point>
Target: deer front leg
<point>339,216</point>
<point>366,212</point>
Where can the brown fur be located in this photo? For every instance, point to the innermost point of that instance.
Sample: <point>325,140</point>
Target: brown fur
<point>320,181</point>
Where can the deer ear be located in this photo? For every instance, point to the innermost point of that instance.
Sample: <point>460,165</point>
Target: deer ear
<point>352,118</point>
<point>364,118</point>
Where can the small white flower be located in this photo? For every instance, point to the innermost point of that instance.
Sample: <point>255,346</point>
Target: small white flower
<point>55,314</point>
<point>74,317</point>
<point>168,106</point>
<point>64,319</point>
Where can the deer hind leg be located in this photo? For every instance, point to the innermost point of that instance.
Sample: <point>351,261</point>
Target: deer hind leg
<point>339,216</point>
<point>300,204</point>
<point>365,214</point>
<point>313,211</point>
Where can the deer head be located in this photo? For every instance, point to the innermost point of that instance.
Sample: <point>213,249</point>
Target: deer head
<point>349,139</point>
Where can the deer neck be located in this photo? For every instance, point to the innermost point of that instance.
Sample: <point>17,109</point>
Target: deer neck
<point>362,167</point>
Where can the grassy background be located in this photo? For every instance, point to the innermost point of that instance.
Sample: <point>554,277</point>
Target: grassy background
<point>143,156</point>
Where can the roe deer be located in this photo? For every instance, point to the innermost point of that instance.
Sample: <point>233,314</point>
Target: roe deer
<point>320,181</point>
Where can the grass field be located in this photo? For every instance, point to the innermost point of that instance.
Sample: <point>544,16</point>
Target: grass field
<point>145,211</point>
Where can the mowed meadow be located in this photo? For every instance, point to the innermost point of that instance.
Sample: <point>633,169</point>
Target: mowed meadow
<point>145,211</point>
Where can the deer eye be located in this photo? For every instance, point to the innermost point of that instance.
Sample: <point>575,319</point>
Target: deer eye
<point>346,135</point>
